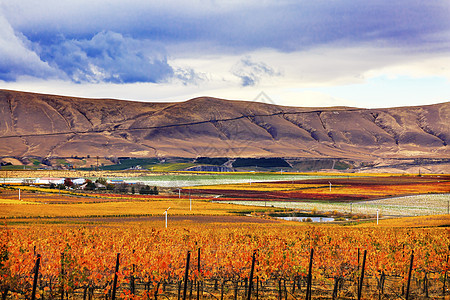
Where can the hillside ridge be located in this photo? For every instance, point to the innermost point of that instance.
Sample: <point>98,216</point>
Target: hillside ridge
<point>59,126</point>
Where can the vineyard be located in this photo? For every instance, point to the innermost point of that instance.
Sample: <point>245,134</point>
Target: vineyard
<point>232,261</point>
<point>72,244</point>
<point>334,189</point>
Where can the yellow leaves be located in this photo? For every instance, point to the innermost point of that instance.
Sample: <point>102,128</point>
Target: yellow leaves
<point>226,252</point>
<point>119,209</point>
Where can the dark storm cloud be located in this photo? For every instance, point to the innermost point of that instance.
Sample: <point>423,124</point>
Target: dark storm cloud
<point>108,57</point>
<point>115,41</point>
<point>284,25</point>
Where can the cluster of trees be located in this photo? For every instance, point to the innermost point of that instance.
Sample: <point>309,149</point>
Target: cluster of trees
<point>136,189</point>
<point>102,184</point>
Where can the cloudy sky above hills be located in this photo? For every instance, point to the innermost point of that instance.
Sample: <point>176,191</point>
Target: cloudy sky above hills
<point>305,53</point>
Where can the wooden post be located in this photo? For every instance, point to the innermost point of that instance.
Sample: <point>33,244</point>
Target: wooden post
<point>362,275</point>
<point>62,275</point>
<point>186,275</point>
<point>250,286</point>
<point>113,297</point>
<point>409,274</point>
<point>445,279</point>
<point>308,287</point>
<point>198,269</point>
<point>221,289</point>
<point>358,259</point>
<point>279,289</point>
<point>257,287</point>
<point>132,279</point>
<point>36,274</point>
<point>445,275</point>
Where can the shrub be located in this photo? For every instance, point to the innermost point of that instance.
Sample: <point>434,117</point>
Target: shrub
<point>68,182</point>
<point>90,186</point>
<point>101,180</point>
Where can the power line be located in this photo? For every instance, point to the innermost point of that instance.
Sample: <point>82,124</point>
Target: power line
<point>162,126</point>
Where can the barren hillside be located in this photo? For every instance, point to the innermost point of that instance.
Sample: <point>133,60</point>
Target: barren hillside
<point>54,126</point>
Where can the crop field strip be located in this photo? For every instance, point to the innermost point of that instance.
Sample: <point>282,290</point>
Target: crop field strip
<point>395,207</point>
<point>385,195</point>
<point>153,261</point>
<point>78,258</point>
<point>350,189</point>
<point>343,195</point>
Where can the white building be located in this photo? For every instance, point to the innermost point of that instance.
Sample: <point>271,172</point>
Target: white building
<point>49,180</point>
<point>79,181</point>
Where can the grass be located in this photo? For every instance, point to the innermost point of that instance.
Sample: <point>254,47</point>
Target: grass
<point>20,172</point>
<point>16,209</point>
<point>169,167</point>
<point>422,221</point>
<point>17,202</point>
<point>187,179</point>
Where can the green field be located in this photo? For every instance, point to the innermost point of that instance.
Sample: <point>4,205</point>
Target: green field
<point>195,179</point>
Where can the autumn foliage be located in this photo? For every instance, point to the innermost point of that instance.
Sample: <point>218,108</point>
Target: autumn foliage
<point>78,258</point>
<point>342,189</point>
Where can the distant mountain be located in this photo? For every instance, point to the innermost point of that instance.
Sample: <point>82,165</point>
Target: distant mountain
<point>36,125</point>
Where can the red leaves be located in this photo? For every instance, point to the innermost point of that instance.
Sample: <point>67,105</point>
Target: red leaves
<point>226,251</point>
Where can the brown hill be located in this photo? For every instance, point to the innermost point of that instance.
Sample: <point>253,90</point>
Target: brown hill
<point>55,126</point>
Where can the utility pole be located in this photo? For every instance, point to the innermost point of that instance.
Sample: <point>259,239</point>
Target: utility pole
<point>166,215</point>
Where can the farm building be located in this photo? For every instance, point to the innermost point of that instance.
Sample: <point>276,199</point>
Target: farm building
<point>49,180</point>
<point>79,181</point>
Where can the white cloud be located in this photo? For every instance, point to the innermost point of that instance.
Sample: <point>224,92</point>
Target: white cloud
<point>360,77</point>
<point>16,58</point>
<point>109,57</point>
<point>251,72</point>
<point>329,53</point>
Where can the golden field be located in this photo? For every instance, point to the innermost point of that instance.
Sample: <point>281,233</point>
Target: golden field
<point>14,209</point>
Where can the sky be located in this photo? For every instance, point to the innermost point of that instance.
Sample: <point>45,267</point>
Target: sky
<point>358,53</point>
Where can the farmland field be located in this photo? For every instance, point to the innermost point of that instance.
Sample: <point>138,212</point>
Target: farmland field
<point>417,205</point>
<point>79,234</point>
<point>390,196</point>
<point>164,179</point>
<point>153,260</point>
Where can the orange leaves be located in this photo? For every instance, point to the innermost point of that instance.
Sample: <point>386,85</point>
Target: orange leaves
<point>319,189</point>
<point>226,252</point>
